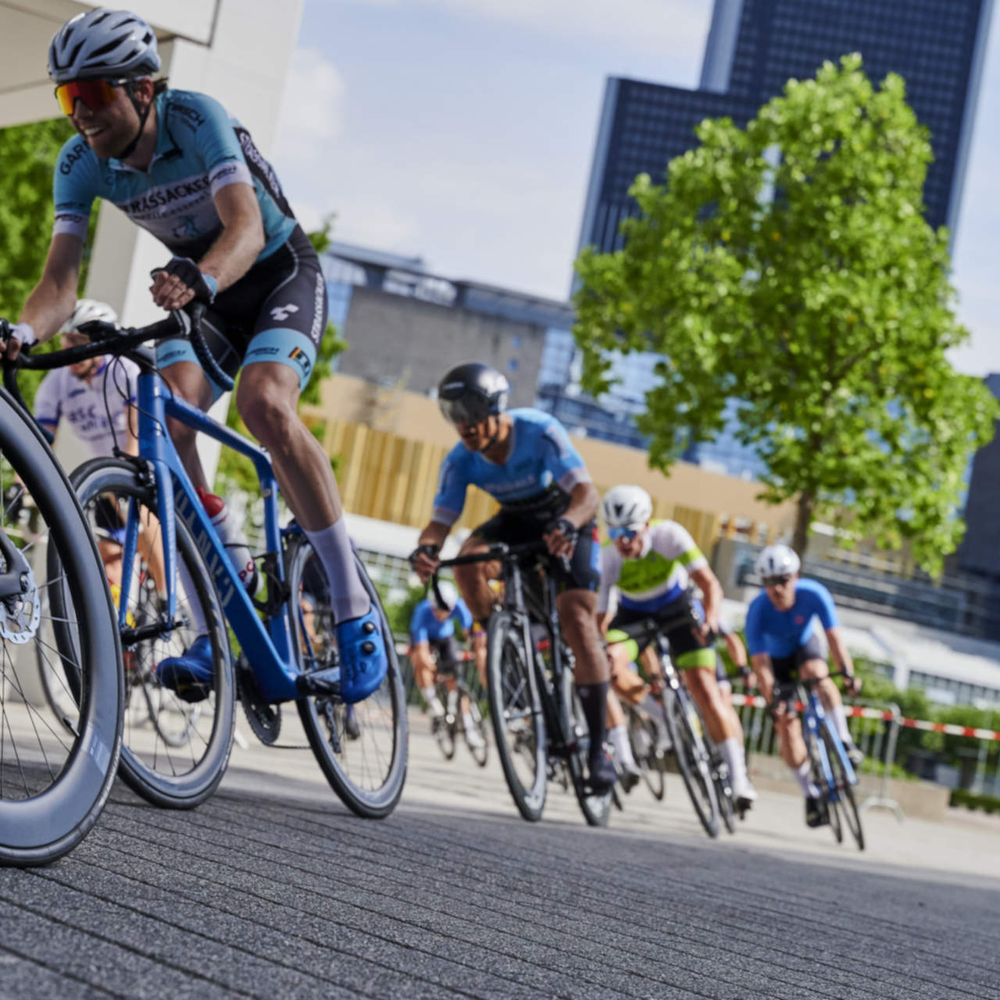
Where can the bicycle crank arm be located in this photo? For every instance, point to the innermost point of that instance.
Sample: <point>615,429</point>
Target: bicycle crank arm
<point>131,636</point>
<point>319,683</point>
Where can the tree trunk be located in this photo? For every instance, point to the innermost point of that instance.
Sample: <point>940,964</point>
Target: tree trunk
<point>803,518</point>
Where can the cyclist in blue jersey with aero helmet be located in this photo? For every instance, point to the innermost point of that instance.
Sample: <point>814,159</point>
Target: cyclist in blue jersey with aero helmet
<point>524,459</point>
<point>180,167</point>
<point>432,634</point>
<point>782,640</point>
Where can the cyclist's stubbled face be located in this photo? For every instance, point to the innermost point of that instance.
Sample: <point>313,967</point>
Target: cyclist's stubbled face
<point>441,615</point>
<point>82,369</point>
<point>477,436</point>
<point>631,548</point>
<point>110,129</point>
<point>782,595</point>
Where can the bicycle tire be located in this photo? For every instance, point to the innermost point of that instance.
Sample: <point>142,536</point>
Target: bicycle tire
<point>845,789</point>
<point>692,759</point>
<point>184,776</point>
<point>643,751</point>
<point>596,808</point>
<point>723,787</point>
<point>828,796</point>
<point>379,749</point>
<point>42,817</point>
<point>444,728</point>
<point>480,755</point>
<point>512,690</point>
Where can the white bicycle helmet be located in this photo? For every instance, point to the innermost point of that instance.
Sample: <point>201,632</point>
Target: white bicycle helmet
<point>86,311</point>
<point>627,507</point>
<point>777,560</point>
<point>105,44</point>
<point>448,596</point>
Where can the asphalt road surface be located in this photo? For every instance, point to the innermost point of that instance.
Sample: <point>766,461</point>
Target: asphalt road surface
<point>274,890</point>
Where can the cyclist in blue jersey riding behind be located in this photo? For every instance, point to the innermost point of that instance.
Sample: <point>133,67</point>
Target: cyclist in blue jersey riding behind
<point>524,459</point>
<point>180,167</point>
<point>782,641</point>
<point>651,562</point>
<point>432,637</point>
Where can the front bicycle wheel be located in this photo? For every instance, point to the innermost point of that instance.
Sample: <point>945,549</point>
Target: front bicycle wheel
<point>175,751</point>
<point>361,748</point>
<point>642,736</point>
<point>56,765</point>
<point>723,787</point>
<point>443,726</point>
<point>480,753</point>
<point>844,789</point>
<point>595,806</point>
<point>692,757</point>
<point>516,711</point>
<point>818,748</point>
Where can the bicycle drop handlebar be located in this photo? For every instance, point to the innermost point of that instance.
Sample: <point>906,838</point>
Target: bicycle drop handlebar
<point>108,339</point>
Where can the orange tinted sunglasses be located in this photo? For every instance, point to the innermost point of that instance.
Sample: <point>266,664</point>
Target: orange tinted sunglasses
<point>96,94</point>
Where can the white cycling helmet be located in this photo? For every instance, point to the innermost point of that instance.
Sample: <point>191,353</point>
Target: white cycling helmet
<point>627,507</point>
<point>104,44</point>
<point>86,311</point>
<point>777,560</point>
<point>448,596</point>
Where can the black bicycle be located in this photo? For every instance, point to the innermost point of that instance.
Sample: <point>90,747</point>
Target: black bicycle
<point>537,718</point>
<point>698,761</point>
<point>55,772</point>
<point>455,692</point>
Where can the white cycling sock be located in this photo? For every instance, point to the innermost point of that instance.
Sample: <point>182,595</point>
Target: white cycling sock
<point>735,758</point>
<point>654,709</point>
<point>618,738</point>
<point>432,699</point>
<point>348,597</point>
<point>803,777</point>
<point>839,714</point>
<point>188,604</point>
<point>468,723</point>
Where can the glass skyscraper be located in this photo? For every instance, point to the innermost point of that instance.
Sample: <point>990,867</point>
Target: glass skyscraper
<point>754,47</point>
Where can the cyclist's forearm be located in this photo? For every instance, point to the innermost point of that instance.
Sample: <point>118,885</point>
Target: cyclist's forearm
<point>48,307</point>
<point>840,653</point>
<point>761,664</point>
<point>584,503</point>
<point>234,252</point>
<point>434,534</point>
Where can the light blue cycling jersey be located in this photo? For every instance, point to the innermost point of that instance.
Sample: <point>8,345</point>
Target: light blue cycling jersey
<point>426,627</point>
<point>780,633</point>
<point>542,467</point>
<point>200,149</point>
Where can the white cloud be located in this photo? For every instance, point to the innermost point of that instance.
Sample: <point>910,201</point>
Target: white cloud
<point>312,111</point>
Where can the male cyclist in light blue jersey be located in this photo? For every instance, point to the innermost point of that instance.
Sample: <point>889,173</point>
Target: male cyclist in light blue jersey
<point>432,637</point>
<point>177,165</point>
<point>782,640</point>
<point>524,459</point>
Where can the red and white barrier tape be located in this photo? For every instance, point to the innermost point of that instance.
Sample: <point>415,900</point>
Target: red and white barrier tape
<point>857,711</point>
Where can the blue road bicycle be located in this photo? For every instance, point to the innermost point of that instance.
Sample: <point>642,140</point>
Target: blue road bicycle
<point>832,771</point>
<point>285,634</point>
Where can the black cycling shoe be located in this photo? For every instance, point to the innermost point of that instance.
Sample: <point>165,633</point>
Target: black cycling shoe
<point>628,779</point>
<point>602,773</point>
<point>815,813</point>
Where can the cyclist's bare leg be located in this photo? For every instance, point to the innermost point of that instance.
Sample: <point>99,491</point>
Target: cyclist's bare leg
<point>701,683</point>
<point>625,682</point>
<point>579,628</point>
<point>473,583</point>
<point>615,715</point>
<point>479,652</point>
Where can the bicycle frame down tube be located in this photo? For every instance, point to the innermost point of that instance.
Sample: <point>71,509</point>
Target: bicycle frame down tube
<point>813,719</point>
<point>270,649</point>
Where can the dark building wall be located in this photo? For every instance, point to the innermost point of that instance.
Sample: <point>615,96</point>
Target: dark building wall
<point>980,550</point>
<point>397,338</point>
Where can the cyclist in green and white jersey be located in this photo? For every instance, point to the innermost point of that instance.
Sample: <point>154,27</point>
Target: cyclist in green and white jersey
<point>651,563</point>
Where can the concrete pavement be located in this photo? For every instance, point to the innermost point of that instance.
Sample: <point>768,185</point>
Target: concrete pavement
<point>273,889</point>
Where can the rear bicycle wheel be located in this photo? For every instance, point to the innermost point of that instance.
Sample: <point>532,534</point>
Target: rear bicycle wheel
<point>642,736</point>
<point>516,711</point>
<point>692,758</point>
<point>845,790</point>
<point>174,751</point>
<point>360,748</point>
<point>596,807</point>
<point>56,770</point>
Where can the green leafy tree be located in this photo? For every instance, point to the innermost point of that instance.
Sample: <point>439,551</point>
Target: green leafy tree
<point>788,266</point>
<point>28,154</point>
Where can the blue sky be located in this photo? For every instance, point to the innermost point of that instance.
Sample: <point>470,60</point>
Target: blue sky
<point>462,131</point>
